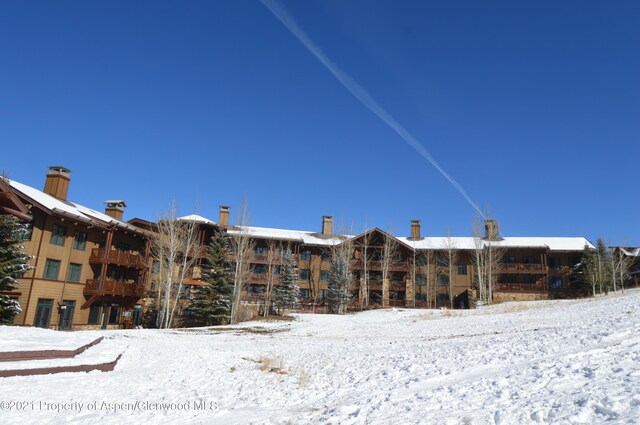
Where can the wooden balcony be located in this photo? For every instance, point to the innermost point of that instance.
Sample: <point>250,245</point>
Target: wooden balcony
<point>521,287</point>
<point>400,266</point>
<point>521,268</point>
<point>113,288</point>
<point>394,285</point>
<point>125,259</point>
<point>254,298</point>
<point>263,278</point>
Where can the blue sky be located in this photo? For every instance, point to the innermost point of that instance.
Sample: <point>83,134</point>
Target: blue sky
<point>532,107</point>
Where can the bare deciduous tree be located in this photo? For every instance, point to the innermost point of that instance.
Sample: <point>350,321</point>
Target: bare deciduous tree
<point>390,252</point>
<point>450,262</point>
<point>274,257</point>
<point>242,246</point>
<point>621,266</point>
<point>487,256</point>
<point>177,248</point>
<point>366,253</point>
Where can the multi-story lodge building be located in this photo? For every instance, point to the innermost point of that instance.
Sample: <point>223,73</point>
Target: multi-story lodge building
<point>89,268</point>
<point>92,269</point>
<point>417,274</point>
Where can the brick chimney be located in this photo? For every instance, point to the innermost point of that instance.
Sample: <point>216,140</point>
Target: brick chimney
<point>223,219</point>
<point>415,230</point>
<point>57,183</point>
<point>327,225</point>
<point>115,209</point>
<point>491,229</point>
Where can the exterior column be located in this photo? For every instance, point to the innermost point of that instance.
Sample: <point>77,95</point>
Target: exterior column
<point>385,292</point>
<point>409,296</point>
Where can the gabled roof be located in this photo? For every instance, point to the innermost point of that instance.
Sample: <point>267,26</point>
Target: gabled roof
<point>631,252</point>
<point>68,209</point>
<point>403,241</point>
<point>10,204</point>
<point>196,218</point>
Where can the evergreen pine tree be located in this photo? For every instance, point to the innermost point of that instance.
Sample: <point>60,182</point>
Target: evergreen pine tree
<point>339,296</point>
<point>13,264</point>
<point>286,294</point>
<point>211,304</point>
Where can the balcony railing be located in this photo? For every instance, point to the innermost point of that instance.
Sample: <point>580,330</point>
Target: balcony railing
<point>254,298</point>
<point>120,258</point>
<point>113,288</point>
<point>521,267</point>
<point>521,287</point>
<point>399,266</point>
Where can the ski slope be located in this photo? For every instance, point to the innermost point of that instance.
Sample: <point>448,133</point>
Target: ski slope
<point>550,362</point>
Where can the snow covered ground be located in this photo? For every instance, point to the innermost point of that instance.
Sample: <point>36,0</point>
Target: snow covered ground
<point>560,362</point>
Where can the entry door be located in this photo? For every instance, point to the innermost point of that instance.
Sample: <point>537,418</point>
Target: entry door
<point>66,318</point>
<point>43,313</point>
<point>105,315</point>
<point>137,315</point>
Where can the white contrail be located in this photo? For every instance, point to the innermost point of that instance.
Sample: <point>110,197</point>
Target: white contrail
<point>361,94</point>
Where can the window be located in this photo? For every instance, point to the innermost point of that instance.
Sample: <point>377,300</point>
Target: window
<point>73,274</point>
<point>324,293</point>
<point>255,289</point>
<point>114,314</point>
<point>397,276</point>
<point>574,261</point>
<point>527,259</point>
<point>94,314</point>
<point>155,267</point>
<point>421,279</point>
<point>118,274</point>
<point>51,269</point>
<point>324,275</point>
<point>325,257</point>
<point>375,275</point>
<point>507,278</point>
<point>462,269</point>
<point>555,282</point>
<point>305,256</point>
<point>123,247</point>
<point>304,293</point>
<point>26,233</point>
<point>283,252</point>
<point>304,274</point>
<point>58,235</point>
<point>443,279</point>
<point>80,240</point>
<point>529,279</point>
<point>261,250</point>
<point>260,269</point>
<point>421,297</point>
<point>509,259</point>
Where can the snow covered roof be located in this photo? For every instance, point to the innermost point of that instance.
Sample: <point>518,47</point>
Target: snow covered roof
<point>197,218</point>
<point>552,243</point>
<point>69,209</point>
<point>631,252</point>
<point>307,238</point>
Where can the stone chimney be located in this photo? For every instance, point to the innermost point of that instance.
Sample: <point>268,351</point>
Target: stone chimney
<point>491,229</point>
<point>223,219</point>
<point>57,183</point>
<point>415,230</point>
<point>327,225</point>
<point>115,209</point>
